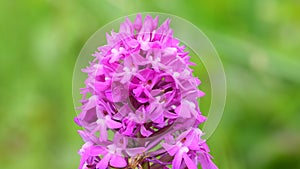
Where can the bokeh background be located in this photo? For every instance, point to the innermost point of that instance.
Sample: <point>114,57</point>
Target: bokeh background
<point>257,40</point>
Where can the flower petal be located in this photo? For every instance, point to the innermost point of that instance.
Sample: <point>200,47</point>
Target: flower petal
<point>189,163</point>
<point>103,132</point>
<point>134,151</point>
<point>177,160</point>
<point>104,161</point>
<point>111,123</point>
<point>138,22</point>
<point>206,162</point>
<point>145,132</point>
<point>97,150</point>
<point>118,161</point>
<point>133,43</point>
<point>172,149</point>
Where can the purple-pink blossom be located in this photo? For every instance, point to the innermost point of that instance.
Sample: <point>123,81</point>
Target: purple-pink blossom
<point>140,92</point>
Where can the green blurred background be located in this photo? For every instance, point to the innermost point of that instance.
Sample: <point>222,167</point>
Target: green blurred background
<point>257,40</point>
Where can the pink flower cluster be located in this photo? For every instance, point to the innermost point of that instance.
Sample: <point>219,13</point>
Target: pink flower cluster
<point>140,93</point>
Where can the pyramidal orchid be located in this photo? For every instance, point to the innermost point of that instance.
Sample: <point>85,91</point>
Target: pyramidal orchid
<point>139,104</point>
